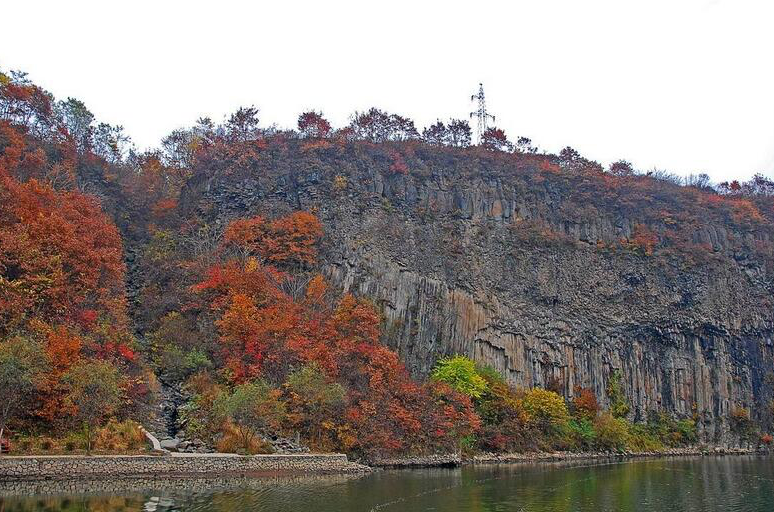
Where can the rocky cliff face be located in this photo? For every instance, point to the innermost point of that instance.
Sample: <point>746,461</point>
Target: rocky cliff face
<point>506,268</point>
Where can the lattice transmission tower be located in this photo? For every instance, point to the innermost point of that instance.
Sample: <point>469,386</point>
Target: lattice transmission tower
<point>482,116</point>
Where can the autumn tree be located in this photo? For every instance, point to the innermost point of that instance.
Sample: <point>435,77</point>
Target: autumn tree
<point>79,122</point>
<point>242,125</point>
<point>22,366</point>
<point>436,134</point>
<point>378,126</point>
<point>252,408</point>
<point>571,161</point>
<point>313,125</point>
<point>621,168</point>
<point>524,145</point>
<point>547,410</point>
<point>23,103</point>
<point>181,146</point>
<point>289,240</point>
<point>110,142</point>
<point>460,373</point>
<point>266,330</point>
<point>94,391</point>
<point>585,403</point>
<point>494,139</point>
<point>315,403</point>
<point>63,349</point>
<point>60,257</point>
<point>459,133</point>
<point>505,424</point>
<point>758,185</point>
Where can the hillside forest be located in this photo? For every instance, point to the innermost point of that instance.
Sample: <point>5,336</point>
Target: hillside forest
<point>113,287</point>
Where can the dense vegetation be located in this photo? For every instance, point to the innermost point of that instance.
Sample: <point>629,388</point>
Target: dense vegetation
<point>540,419</point>
<point>240,316</point>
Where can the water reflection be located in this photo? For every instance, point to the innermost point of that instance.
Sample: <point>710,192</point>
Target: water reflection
<point>729,484</point>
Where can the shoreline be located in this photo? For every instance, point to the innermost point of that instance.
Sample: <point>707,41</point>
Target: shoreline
<point>455,460</point>
<point>15,468</point>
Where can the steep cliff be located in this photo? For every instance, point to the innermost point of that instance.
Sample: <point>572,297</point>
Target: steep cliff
<point>540,272</point>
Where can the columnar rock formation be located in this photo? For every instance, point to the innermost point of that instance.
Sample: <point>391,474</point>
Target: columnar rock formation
<point>516,271</point>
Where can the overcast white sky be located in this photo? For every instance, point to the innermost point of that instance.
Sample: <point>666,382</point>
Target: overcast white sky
<point>682,85</point>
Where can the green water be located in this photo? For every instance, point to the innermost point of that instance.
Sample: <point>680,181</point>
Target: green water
<point>724,484</point>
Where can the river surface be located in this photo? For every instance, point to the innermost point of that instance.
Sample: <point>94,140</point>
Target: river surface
<point>727,484</point>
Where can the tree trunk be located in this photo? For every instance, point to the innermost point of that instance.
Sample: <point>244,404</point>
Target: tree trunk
<point>1,439</point>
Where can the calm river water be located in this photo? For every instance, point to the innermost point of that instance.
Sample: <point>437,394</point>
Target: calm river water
<point>707,484</point>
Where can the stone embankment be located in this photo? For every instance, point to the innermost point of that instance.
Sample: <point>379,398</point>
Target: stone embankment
<point>151,485</point>
<point>101,466</point>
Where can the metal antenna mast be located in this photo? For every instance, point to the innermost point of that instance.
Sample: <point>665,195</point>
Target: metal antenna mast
<point>481,114</point>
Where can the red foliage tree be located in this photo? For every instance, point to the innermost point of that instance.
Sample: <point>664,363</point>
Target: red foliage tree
<point>378,126</point>
<point>585,403</point>
<point>60,256</point>
<point>289,240</point>
<point>313,125</point>
<point>494,139</point>
<point>265,331</point>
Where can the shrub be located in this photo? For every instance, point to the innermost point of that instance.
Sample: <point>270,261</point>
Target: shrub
<point>489,374</point>
<point>460,373</point>
<point>94,391</point>
<point>505,425</point>
<point>686,431</point>
<point>125,436</point>
<point>250,409</point>
<point>74,441</point>
<point>548,411</point>
<point>46,444</point>
<point>314,404</point>
<point>612,432</point>
<point>233,441</point>
<point>670,432</point>
<point>199,415</point>
<point>642,439</point>
<point>741,423</point>
<point>582,434</point>
<point>584,404</point>
<point>173,352</point>
<point>619,405</point>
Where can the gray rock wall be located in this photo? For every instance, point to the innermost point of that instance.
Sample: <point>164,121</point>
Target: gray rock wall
<point>458,264</point>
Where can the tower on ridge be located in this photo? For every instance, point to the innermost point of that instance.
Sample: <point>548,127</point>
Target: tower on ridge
<point>482,116</point>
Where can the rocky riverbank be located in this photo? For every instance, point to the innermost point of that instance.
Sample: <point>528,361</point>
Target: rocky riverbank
<point>104,466</point>
<point>502,458</point>
<point>453,460</point>
<point>419,461</point>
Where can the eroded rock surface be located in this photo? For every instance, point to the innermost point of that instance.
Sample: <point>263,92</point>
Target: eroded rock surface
<point>500,268</point>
